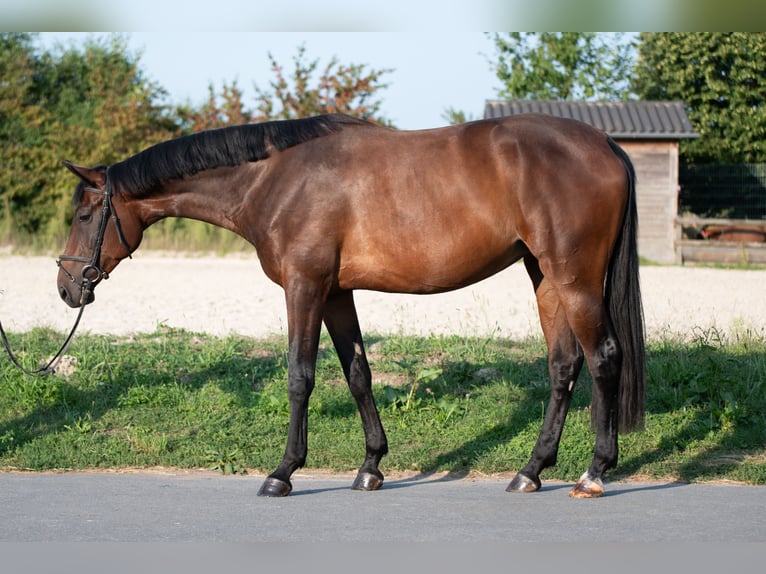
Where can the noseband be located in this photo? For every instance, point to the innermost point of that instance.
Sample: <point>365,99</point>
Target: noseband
<point>92,273</point>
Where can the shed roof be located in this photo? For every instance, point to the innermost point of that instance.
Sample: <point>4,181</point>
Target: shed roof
<point>621,120</point>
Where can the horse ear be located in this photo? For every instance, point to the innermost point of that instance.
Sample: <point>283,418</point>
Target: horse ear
<point>92,176</point>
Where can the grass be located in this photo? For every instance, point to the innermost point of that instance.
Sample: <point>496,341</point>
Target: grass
<point>179,399</point>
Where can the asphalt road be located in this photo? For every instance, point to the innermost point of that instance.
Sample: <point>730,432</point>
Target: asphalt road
<point>207,507</point>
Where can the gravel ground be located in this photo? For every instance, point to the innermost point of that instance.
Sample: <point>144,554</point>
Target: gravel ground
<point>222,295</point>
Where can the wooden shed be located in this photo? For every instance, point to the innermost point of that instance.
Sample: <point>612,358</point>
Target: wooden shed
<point>649,132</point>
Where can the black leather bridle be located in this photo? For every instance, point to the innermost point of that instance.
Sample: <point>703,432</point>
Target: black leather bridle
<point>92,273</point>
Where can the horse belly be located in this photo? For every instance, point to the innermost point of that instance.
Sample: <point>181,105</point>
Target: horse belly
<point>427,236</point>
<point>418,269</point>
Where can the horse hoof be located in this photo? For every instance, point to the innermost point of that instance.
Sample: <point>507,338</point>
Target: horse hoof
<point>367,481</point>
<point>523,483</point>
<point>587,487</point>
<point>274,487</point>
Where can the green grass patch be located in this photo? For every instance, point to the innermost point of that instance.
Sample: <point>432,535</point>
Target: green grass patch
<point>179,399</point>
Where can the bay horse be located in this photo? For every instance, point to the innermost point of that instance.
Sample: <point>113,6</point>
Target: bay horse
<point>333,204</point>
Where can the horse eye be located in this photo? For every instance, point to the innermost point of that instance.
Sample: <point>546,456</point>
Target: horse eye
<point>84,217</point>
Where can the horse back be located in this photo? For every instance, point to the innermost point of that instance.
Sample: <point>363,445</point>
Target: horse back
<point>434,210</point>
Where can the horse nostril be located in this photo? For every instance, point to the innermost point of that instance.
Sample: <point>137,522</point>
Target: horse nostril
<point>64,294</point>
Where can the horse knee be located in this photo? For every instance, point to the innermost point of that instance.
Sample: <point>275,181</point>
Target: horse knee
<point>299,388</point>
<point>564,369</point>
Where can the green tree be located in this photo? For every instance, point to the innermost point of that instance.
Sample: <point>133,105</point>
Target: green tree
<point>563,65</point>
<point>22,138</point>
<point>224,109</point>
<point>92,105</point>
<point>101,94</point>
<point>721,78</point>
<point>345,88</point>
<point>307,90</point>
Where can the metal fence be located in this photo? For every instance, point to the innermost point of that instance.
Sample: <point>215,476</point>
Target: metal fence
<point>731,191</point>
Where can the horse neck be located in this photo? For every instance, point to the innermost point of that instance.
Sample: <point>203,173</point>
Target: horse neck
<point>214,196</point>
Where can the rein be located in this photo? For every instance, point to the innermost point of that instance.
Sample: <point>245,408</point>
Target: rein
<point>54,361</point>
<point>92,273</point>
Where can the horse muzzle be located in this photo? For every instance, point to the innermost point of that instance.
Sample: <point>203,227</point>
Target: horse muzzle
<point>75,294</point>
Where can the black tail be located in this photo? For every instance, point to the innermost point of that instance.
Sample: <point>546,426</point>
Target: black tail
<point>623,301</point>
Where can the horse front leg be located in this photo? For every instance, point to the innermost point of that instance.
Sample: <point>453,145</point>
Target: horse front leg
<point>343,325</point>
<point>304,319</point>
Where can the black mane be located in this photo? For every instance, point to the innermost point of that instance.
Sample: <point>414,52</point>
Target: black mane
<point>224,147</point>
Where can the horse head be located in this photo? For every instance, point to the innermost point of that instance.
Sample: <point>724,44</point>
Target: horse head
<point>104,231</point>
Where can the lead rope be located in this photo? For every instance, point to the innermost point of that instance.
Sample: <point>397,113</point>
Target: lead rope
<point>54,361</point>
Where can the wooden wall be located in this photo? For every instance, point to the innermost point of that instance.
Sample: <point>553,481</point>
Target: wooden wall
<point>656,164</point>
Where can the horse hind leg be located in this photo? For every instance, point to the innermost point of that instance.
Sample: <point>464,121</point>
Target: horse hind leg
<point>343,325</point>
<point>592,327</point>
<point>605,363</point>
<point>565,360</point>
